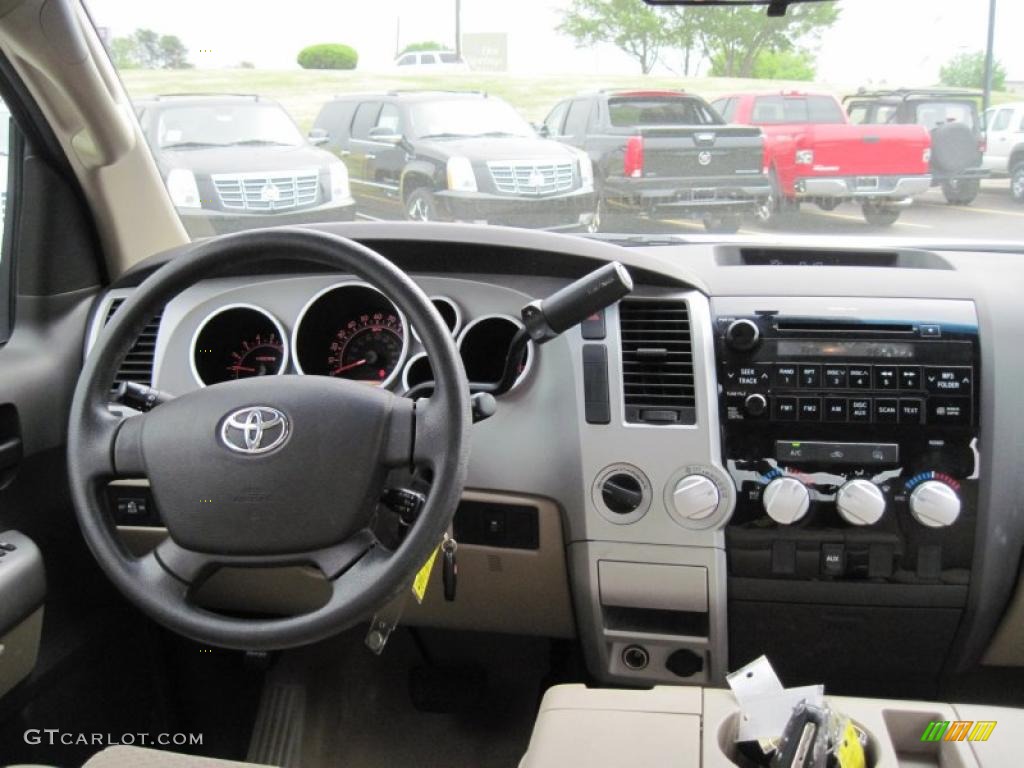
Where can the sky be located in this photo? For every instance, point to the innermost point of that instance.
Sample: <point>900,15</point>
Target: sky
<point>896,42</point>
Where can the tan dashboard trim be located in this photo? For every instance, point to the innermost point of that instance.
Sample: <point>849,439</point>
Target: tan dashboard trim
<point>499,590</point>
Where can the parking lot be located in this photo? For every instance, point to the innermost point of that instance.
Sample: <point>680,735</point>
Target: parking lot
<point>992,216</point>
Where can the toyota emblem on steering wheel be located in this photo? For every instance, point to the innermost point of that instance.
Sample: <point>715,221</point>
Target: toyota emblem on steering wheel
<point>256,429</point>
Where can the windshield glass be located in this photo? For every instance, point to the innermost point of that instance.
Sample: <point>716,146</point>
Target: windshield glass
<point>611,118</point>
<point>223,126</point>
<point>467,117</point>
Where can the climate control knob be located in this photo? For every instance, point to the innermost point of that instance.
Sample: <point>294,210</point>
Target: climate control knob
<point>622,493</point>
<point>742,335</point>
<point>786,500</point>
<point>860,502</point>
<point>935,504</point>
<point>696,497</point>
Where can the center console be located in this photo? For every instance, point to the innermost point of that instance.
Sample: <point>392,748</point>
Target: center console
<point>849,428</point>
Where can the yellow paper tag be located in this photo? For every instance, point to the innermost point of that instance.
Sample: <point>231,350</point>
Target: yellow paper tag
<point>850,753</point>
<point>419,584</point>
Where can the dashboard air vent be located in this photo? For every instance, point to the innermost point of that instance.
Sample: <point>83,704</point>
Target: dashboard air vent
<point>137,365</point>
<point>657,361</point>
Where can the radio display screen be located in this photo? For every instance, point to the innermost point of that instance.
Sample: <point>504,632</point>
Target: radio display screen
<point>838,348</point>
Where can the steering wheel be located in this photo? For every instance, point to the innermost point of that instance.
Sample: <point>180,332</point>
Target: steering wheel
<point>269,471</point>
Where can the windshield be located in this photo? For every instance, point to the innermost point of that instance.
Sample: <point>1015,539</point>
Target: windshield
<point>224,126</point>
<point>606,118</point>
<point>467,117</point>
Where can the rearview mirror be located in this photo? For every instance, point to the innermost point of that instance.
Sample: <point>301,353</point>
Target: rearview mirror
<point>318,137</point>
<point>384,135</point>
<point>775,7</point>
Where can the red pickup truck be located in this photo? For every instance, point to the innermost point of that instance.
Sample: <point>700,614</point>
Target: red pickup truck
<point>813,153</point>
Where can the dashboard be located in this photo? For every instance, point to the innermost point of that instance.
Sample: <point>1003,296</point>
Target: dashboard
<point>777,449</point>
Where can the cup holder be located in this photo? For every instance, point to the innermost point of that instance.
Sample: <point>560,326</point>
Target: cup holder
<point>730,727</point>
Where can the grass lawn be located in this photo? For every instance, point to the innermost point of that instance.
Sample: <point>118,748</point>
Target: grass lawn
<point>302,92</point>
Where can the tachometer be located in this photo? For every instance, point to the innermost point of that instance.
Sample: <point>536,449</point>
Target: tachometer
<point>238,342</point>
<point>368,348</point>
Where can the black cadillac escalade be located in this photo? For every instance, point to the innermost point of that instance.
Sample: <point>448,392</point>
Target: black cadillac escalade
<point>231,162</point>
<point>663,155</point>
<point>455,156</point>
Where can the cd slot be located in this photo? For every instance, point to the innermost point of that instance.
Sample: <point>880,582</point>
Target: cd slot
<point>815,325</point>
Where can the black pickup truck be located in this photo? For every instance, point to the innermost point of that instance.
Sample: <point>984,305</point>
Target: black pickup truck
<point>663,155</point>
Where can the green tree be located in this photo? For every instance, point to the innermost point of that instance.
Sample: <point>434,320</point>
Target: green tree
<point>733,38</point>
<point>632,26</point>
<point>784,65</point>
<point>426,45</point>
<point>146,49</point>
<point>122,53</point>
<point>967,70</point>
<point>173,53</point>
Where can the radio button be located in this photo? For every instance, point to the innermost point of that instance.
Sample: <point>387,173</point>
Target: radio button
<point>835,376</point>
<point>860,410</point>
<point>911,411</point>
<point>948,380</point>
<point>860,377</point>
<point>886,377</point>
<point>785,376</point>
<point>810,376</point>
<point>836,408</point>
<point>810,409</point>
<point>910,377</point>
<point>949,411</point>
<point>887,411</point>
<point>756,375</point>
<point>785,408</point>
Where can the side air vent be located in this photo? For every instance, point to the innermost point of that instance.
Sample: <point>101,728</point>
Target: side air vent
<point>137,365</point>
<point>657,362</point>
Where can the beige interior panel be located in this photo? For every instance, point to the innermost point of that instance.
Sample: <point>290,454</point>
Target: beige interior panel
<point>499,590</point>
<point>1007,646</point>
<point>56,51</point>
<point>505,590</point>
<point>19,650</point>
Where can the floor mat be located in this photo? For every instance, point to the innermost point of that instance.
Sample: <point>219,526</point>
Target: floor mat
<point>357,711</point>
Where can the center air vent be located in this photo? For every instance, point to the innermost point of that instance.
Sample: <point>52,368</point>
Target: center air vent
<point>657,362</point>
<point>137,365</point>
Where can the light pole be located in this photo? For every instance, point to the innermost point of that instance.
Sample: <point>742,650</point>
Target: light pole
<point>986,99</point>
<point>458,28</point>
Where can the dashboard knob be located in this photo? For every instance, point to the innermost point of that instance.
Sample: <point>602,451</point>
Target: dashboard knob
<point>696,497</point>
<point>860,502</point>
<point>786,500</point>
<point>934,504</point>
<point>622,493</point>
<point>755,405</point>
<point>742,335</point>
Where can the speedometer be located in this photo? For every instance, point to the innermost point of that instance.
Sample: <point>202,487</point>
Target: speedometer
<point>368,348</point>
<point>351,331</point>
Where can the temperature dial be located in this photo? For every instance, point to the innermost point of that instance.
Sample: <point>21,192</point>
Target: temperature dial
<point>696,497</point>
<point>934,504</point>
<point>860,502</point>
<point>786,500</point>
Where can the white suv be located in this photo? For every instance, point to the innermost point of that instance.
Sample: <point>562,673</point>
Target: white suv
<point>431,61</point>
<point>1004,127</point>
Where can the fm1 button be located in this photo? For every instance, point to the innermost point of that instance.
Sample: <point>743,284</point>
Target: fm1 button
<point>785,408</point>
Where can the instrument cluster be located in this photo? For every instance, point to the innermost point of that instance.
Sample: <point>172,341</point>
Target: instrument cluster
<point>349,330</point>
